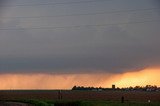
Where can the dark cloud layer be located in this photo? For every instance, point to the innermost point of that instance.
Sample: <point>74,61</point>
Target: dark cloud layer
<point>129,40</point>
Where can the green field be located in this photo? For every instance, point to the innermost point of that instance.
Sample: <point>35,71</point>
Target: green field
<point>80,98</point>
<point>86,103</point>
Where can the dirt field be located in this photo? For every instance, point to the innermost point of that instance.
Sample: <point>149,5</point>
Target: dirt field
<point>79,95</point>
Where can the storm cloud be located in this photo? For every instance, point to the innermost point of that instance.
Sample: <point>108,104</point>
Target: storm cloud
<point>75,36</point>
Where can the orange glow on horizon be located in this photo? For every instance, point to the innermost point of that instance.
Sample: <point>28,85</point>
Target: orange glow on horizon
<point>140,78</point>
<point>50,81</point>
<point>67,81</point>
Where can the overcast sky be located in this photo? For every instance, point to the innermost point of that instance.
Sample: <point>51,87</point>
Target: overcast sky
<point>78,36</point>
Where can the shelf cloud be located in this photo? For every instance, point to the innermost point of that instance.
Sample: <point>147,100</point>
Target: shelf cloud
<point>114,37</point>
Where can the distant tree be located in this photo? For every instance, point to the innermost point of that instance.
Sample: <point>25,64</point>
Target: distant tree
<point>82,88</point>
<point>74,88</point>
<point>148,86</point>
<point>137,87</point>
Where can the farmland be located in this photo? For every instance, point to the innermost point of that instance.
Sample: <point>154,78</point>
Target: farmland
<point>87,98</point>
<point>79,95</point>
<point>77,103</point>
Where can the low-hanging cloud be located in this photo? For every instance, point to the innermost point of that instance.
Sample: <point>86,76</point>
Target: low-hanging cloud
<point>128,41</point>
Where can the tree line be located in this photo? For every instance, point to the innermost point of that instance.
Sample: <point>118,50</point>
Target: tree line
<point>136,88</point>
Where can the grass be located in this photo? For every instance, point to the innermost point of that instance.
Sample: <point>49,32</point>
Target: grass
<point>34,102</point>
<point>117,103</point>
<point>86,103</point>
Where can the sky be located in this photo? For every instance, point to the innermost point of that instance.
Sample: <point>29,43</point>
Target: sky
<point>82,42</point>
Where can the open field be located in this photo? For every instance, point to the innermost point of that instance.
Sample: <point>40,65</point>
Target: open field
<point>80,98</point>
<point>76,103</point>
<point>79,95</point>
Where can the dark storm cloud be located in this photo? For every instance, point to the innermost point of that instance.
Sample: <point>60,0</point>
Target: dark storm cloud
<point>2,2</point>
<point>30,42</point>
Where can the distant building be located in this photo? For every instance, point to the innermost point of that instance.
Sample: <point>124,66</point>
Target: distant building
<point>113,86</point>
